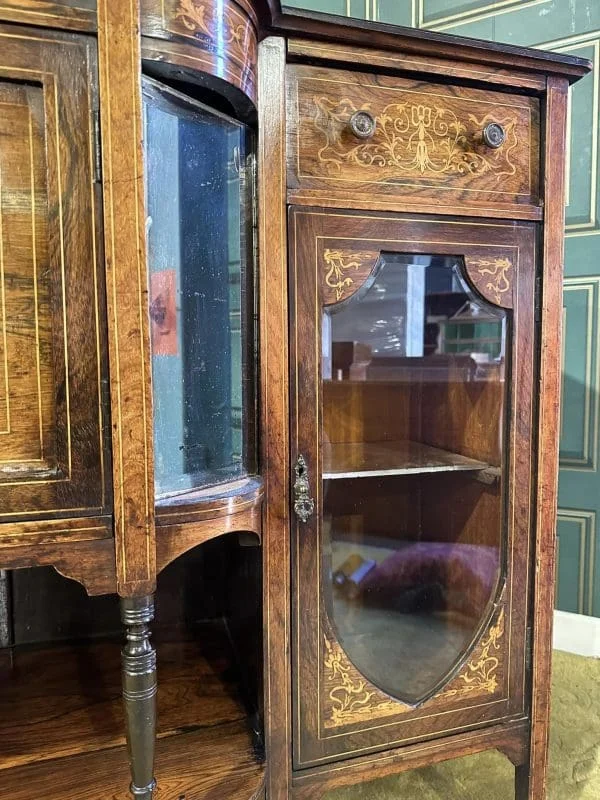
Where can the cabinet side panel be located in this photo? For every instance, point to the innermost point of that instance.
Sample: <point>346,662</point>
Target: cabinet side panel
<point>127,295</point>
<point>549,420</point>
<point>274,410</point>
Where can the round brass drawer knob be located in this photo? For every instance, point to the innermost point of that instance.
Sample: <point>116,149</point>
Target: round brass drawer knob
<point>494,135</point>
<point>362,124</point>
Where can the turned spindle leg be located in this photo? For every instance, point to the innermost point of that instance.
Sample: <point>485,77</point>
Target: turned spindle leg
<point>139,693</point>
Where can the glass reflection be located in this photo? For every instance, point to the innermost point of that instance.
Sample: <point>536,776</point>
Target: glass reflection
<point>414,396</point>
<point>199,255</point>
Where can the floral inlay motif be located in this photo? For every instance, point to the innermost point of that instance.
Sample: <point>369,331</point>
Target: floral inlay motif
<point>410,138</point>
<point>194,17</point>
<point>498,269</point>
<point>337,263</point>
<point>350,697</point>
<point>480,675</point>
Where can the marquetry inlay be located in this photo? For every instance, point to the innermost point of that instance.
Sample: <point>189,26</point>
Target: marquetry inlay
<point>493,277</point>
<point>413,138</point>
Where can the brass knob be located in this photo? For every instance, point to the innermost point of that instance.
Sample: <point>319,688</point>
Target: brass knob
<point>363,124</point>
<point>494,135</point>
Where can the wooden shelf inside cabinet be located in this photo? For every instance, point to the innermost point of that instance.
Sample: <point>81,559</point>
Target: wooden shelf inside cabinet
<point>61,716</point>
<point>374,459</point>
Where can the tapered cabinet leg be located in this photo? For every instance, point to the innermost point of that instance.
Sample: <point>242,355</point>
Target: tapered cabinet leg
<point>139,693</point>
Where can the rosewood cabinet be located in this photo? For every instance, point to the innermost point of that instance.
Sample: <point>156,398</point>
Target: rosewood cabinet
<point>412,395</point>
<point>279,358</point>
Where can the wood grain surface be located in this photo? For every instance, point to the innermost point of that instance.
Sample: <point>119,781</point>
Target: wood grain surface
<point>63,700</point>
<point>61,723</point>
<point>368,57</point>
<point>274,454</point>
<point>127,294</point>
<point>52,357</point>
<point>313,26</point>
<point>174,539</point>
<point>364,459</point>
<point>427,141</point>
<point>531,782</point>
<point>195,764</point>
<point>91,562</point>
<point>218,38</point>
<point>77,15</point>
<point>311,784</point>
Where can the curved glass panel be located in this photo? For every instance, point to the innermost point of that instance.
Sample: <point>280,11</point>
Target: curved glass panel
<point>199,232</point>
<point>413,408</point>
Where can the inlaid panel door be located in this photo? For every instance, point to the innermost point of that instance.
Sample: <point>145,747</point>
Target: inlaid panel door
<point>51,360</point>
<point>413,367</point>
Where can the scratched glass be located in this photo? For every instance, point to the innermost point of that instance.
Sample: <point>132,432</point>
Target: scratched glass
<point>199,235</point>
<point>413,369</point>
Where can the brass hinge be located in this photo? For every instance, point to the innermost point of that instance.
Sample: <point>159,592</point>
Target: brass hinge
<point>538,298</point>
<point>97,148</point>
<point>254,183</point>
<point>529,648</point>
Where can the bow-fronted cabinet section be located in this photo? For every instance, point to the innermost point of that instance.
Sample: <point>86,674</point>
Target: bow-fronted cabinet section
<point>128,410</point>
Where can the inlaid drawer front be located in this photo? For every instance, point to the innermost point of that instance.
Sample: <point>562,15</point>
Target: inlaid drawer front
<point>367,136</point>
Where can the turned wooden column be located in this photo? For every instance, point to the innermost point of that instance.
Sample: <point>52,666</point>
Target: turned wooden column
<point>139,693</point>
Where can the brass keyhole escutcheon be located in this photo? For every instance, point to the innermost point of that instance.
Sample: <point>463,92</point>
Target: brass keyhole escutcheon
<point>304,505</point>
<point>363,124</point>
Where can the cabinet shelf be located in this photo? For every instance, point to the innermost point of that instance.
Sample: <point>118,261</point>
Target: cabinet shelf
<point>66,720</point>
<point>373,459</point>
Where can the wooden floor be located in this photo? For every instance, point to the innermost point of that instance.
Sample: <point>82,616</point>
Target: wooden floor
<point>61,724</point>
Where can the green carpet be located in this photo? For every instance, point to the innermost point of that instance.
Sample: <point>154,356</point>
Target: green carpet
<point>574,752</point>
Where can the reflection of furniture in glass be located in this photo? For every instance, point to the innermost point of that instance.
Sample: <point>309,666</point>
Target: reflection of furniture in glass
<point>199,249</point>
<point>385,192</point>
<point>411,580</point>
<point>433,576</point>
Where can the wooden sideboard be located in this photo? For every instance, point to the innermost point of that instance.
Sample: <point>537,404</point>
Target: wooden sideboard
<point>281,302</point>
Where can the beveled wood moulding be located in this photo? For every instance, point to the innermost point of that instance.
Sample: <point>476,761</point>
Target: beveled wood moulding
<point>355,57</point>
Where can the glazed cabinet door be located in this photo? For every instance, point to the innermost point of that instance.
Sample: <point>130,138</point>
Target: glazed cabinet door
<point>51,427</point>
<point>412,382</point>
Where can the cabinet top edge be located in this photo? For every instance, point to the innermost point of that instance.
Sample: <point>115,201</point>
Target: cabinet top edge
<point>291,22</point>
<point>281,20</point>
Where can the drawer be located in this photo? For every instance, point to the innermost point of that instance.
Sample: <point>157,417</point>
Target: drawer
<point>415,142</point>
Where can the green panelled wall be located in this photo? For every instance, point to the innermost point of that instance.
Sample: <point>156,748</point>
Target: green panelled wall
<point>568,26</point>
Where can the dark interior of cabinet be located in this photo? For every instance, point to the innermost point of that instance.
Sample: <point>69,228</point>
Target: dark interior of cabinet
<point>60,687</point>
